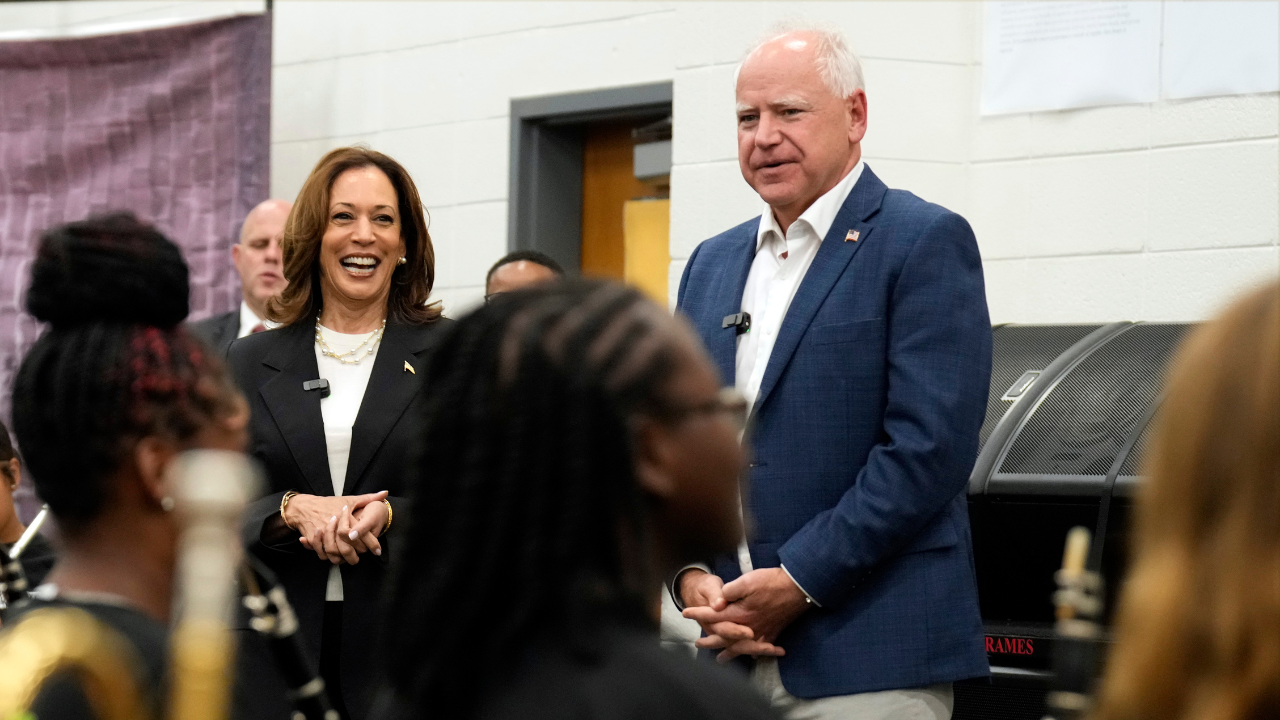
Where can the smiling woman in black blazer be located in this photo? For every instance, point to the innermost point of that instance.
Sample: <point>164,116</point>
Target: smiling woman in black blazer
<point>330,392</point>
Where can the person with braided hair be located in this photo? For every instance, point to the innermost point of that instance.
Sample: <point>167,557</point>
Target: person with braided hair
<point>103,403</point>
<point>577,447</point>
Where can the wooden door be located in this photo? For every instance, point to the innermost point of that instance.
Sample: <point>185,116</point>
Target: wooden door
<point>608,181</point>
<point>625,229</point>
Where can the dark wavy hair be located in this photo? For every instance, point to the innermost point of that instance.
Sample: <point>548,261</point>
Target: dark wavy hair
<point>411,283</point>
<point>115,364</point>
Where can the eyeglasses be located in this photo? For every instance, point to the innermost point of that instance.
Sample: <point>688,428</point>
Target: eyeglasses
<point>728,401</point>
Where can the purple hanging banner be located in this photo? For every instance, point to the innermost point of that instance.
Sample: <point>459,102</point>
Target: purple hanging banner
<point>172,124</point>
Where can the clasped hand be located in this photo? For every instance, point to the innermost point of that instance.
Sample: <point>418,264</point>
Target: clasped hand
<point>338,529</point>
<point>745,616</point>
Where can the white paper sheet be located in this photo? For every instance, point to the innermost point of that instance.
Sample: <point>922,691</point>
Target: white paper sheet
<point>1059,55</point>
<point>1220,48</point>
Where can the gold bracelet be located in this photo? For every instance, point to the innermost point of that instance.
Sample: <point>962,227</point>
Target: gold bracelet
<point>387,527</point>
<point>284,503</point>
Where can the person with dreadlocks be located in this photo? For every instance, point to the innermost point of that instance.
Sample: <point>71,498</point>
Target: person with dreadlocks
<point>577,446</point>
<point>102,405</point>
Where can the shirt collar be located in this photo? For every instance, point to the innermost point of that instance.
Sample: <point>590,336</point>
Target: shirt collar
<point>248,319</point>
<point>819,216</point>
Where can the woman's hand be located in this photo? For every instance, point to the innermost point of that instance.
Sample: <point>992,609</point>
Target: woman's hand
<point>364,525</point>
<point>361,526</point>
<point>325,523</point>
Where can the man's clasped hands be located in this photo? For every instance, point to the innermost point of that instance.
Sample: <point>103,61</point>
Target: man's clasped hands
<point>744,616</point>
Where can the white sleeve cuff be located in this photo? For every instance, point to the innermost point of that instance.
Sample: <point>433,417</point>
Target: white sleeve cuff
<point>793,579</point>
<point>675,582</point>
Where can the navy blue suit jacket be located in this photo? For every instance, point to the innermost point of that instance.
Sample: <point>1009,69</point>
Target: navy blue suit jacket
<point>864,433</point>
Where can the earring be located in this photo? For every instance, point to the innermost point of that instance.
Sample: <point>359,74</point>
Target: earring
<point>401,261</point>
<point>166,503</point>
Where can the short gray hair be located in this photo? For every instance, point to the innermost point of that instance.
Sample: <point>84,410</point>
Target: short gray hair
<point>838,66</point>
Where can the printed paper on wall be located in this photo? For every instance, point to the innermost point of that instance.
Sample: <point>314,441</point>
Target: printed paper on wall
<point>1220,48</point>
<point>1058,55</point>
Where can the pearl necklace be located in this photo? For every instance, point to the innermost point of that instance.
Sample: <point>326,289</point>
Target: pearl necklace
<point>349,357</point>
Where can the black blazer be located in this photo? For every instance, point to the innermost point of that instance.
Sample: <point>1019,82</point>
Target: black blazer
<point>287,437</point>
<point>219,331</point>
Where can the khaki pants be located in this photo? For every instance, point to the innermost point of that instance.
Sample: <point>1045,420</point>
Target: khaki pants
<point>931,703</point>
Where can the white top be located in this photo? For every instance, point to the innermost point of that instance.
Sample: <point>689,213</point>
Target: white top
<point>347,384</point>
<point>782,260</point>
<point>248,320</point>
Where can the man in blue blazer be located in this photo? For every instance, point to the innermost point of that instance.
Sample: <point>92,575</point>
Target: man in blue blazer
<point>854,320</point>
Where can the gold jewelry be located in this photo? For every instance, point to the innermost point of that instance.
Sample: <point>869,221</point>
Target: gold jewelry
<point>372,341</point>
<point>284,503</point>
<point>387,527</point>
<point>402,260</point>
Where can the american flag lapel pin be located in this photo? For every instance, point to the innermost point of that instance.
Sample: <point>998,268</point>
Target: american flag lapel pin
<point>851,236</point>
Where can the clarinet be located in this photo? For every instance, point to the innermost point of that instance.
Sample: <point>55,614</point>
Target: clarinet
<point>1078,634</point>
<point>13,579</point>
<point>274,619</point>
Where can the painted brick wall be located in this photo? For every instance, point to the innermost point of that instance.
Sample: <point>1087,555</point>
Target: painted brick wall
<point>1156,212</point>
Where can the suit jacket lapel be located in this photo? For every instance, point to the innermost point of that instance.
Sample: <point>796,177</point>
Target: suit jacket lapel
<point>724,342</point>
<point>391,389</point>
<point>226,332</point>
<point>296,411</point>
<point>828,265</point>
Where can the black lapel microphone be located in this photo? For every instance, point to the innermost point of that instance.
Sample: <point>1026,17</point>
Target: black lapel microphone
<point>322,385</point>
<point>741,322</point>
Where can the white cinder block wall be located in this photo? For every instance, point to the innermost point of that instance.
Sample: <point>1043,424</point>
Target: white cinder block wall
<point>431,84</point>
<point>1138,212</point>
<point>1156,212</point>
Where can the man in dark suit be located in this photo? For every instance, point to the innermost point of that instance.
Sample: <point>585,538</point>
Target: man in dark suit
<point>866,358</point>
<point>259,261</point>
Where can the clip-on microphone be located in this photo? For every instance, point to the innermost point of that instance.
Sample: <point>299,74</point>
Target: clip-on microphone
<point>322,385</point>
<point>741,322</point>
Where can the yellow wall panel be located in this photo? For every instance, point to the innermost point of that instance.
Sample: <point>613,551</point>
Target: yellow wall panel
<point>647,246</point>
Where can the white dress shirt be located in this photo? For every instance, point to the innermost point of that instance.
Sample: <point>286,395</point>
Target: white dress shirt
<point>347,384</point>
<point>781,262</point>
<point>248,320</point>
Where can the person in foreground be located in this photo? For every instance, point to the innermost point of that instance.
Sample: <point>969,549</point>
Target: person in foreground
<point>102,404</point>
<point>1198,625</point>
<point>577,446</point>
<point>866,363</point>
<point>520,269</point>
<point>257,258</point>
<point>331,394</point>
<point>39,556</point>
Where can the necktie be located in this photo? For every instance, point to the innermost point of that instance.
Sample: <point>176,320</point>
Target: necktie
<point>258,328</point>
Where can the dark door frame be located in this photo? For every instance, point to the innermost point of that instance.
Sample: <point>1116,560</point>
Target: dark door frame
<point>544,208</point>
